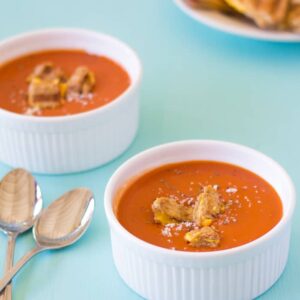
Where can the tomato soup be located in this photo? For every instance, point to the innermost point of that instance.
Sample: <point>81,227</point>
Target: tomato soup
<point>252,205</point>
<point>111,80</point>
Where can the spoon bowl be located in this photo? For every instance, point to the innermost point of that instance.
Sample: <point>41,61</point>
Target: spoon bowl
<point>20,201</point>
<point>65,220</point>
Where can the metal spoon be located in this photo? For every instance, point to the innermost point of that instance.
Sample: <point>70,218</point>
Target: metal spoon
<point>20,204</point>
<point>61,224</point>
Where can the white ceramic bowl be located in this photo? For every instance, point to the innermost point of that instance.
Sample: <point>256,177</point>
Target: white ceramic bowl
<point>78,142</point>
<point>235,274</point>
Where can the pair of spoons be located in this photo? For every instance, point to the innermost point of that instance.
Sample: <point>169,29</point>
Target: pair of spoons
<point>61,224</point>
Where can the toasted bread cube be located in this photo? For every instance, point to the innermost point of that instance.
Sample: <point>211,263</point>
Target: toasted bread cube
<point>208,206</point>
<point>45,88</point>
<point>81,83</point>
<point>166,210</point>
<point>162,218</point>
<point>44,94</point>
<point>203,237</point>
<point>206,222</point>
<point>47,71</point>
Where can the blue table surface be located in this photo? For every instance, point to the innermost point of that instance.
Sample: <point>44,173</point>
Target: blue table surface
<point>197,83</point>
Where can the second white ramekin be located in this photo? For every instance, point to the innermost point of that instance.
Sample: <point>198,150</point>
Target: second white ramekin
<point>239,273</point>
<point>77,142</point>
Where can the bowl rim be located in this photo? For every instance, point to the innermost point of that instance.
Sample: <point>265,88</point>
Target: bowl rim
<point>135,83</point>
<point>113,221</point>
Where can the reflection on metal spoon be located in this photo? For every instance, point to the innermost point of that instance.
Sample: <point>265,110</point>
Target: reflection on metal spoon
<point>20,205</point>
<point>61,224</point>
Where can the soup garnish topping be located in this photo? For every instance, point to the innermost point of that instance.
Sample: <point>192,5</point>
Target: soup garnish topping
<point>48,87</point>
<point>201,215</point>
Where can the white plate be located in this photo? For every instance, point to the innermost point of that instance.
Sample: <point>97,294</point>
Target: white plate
<point>235,26</point>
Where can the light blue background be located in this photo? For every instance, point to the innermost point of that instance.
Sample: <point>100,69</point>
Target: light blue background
<point>198,83</point>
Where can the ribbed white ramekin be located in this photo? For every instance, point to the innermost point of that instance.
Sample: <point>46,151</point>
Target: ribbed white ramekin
<point>239,273</point>
<point>77,142</point>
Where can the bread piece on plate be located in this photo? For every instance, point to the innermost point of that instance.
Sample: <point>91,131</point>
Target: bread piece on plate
<point>265,13</point>
<point>219,5</point>
<point>293,18</point>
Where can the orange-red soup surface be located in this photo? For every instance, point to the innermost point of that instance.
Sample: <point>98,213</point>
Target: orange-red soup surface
<point>255,207</point>
<point>111,81</point>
